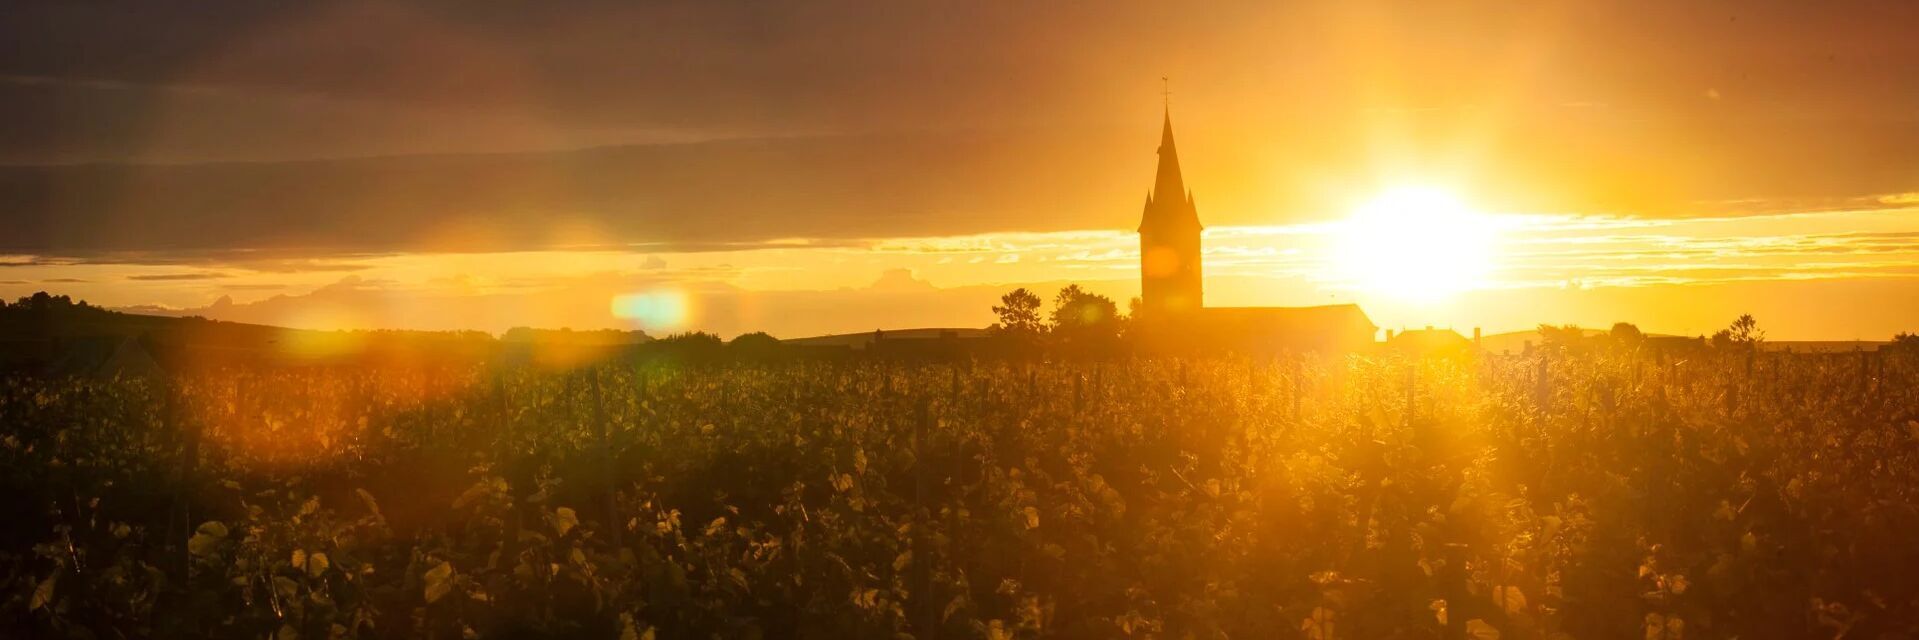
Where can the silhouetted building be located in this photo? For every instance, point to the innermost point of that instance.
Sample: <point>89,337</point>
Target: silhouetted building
<point>1676,345</point>
<point>1328,328</point>
<point>1429,341</point>
<point>1173,311</point>
<point>1169,252</point>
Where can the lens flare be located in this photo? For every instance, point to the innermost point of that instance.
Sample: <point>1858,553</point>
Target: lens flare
<point>656,310</point>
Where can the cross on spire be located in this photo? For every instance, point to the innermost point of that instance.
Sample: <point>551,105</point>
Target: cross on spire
<point>1166,91</point>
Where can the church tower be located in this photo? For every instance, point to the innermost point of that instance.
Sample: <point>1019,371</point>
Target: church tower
<point>1169,258</point>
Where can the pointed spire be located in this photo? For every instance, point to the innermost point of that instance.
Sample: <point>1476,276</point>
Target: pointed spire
<point>1168,179</point>
<point>1169,205</point>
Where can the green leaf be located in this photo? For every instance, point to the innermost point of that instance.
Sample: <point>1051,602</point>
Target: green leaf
<point>43,594</point>
<point>371,505</point>
<point>564,520</point>
<point>475,493</point>
<point>631,629</point>
<point>439,581</point>
<point>1477,629</point>
<point>317,564</point>
<point>1511,599</point>
<point>286,587</point>
<point>207,539</point>
<point>213,528</point>
<point>1320,626</point>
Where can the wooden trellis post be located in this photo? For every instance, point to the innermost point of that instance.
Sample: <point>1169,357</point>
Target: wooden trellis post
<point>1543,385</point>
<point>1299,371</point>
<point>1412,388</point>
<point>608,508</point>
<point>921,576</point>
<point>1079,392</point>
<point>182,516</point>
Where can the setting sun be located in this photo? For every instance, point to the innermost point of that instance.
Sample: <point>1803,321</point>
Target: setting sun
<point>1414,243</point>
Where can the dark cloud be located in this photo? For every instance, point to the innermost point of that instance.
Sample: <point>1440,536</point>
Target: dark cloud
<point>165,277</point>
<point>279,261</point>
<point>730,196</point>
<point>722,196</point>
<point>730,121</point>
<point>242,79</point>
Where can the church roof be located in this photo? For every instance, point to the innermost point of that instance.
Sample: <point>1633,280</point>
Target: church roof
<point>1302,318</point>
<point>1428,340</point>
<point>1168,179</point>
<point>1169,204</point>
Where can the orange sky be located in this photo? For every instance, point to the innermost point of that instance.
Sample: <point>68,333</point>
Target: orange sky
<point>842,166</point>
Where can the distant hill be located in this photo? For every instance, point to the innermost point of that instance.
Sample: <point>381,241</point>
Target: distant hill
<point>45,332</point>
<point>569,336</point>
<point>1823,346</point>
<point>1515,342</point>
<point>57,334</point>
<point>865,339</point>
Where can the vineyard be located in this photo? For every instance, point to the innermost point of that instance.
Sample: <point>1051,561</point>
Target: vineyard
<point>1575,494</point>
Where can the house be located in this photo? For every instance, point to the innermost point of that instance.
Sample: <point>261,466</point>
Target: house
<point>1428,341</point>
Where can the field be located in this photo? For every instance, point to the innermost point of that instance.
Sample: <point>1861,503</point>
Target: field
<point>1581,494</point>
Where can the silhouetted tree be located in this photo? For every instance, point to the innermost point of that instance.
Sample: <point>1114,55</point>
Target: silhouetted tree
<point>39,300</point>
<point>754,346</point>
<point>42,301</point>
<point>1903,342</point>
<point>1626,336</point>
<point>1562,338</point>
<point>692,346</point>
<point>1085,321</point>
<point>1018,313</point>
<point>1743,334</point>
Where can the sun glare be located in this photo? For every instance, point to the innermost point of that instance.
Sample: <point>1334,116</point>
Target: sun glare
<point>1415,244</point>
<point>662,310</point>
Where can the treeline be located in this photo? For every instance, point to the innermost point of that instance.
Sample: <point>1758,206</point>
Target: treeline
<point>1743,335</point>
<point>1080,321</point>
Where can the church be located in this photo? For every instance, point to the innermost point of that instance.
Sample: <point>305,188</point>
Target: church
<point>1173,311</point>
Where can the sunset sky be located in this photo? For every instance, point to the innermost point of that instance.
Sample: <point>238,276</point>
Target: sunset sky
<point>810,168</point>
